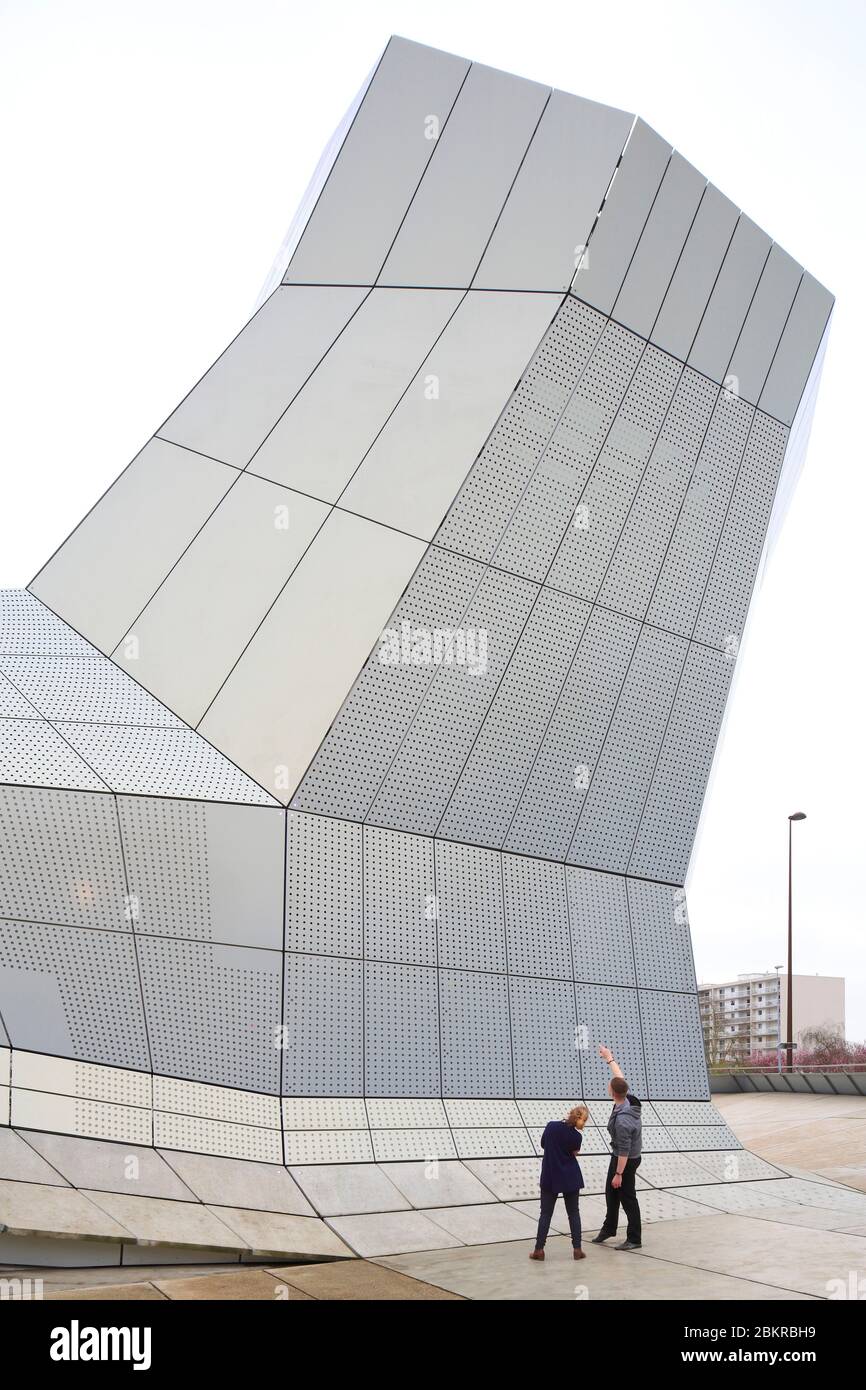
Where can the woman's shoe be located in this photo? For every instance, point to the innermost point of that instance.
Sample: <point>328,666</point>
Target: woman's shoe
<point>536,1254</point>
<point>579,1254</point>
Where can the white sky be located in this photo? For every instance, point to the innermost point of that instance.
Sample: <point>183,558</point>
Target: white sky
<point>154,152</point>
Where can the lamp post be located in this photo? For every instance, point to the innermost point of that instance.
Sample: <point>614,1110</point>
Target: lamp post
<point>789,1045</point>
<point>777,968</point>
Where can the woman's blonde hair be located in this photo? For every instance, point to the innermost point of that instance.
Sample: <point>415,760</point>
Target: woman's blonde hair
<point>577,1116</point>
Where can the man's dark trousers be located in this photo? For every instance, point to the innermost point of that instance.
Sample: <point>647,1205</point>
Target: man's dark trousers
<point>625,1195</point>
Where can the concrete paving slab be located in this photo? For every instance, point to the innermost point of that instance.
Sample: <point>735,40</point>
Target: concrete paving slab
<point>484,1225</point>
<point>239,1182</point>
<point>348,1189</point>
<point>816,1218</point>
<point>737,1165</point>
<point>107,1293</point>
<point>731,1197</point>
<point>447,1184</point>
<point>160,1222</point>
<point>360,1280</point>
<point>21,1163</point>
<point>109,1167</point>
<point>505,1272</point>
<point>28,1208</point>
<point>390,1233</point>
<point>241,1285</point>
<point>269,1233</point>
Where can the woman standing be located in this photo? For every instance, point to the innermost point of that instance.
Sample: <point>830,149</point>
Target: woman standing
<point>560,1173</point>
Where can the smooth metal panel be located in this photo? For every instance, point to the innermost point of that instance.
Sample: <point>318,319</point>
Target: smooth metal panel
<point>660,931</point>
<point>379,165</point>
<point>73,992</point>
<point>281,698</point>
<point>324,886</point>
<point>61,859</point>
<point>642,546</point>
<point>729,302</point>
<point>418,463</point>
<point>400,907</point>
<point>33,754</point>
<point>546,510</point>
<point>477,155</point>
<point>621,221</point>
<point>475,1040</point>
<point>349,767</point>
<point>611,811</point>
<point>765,322</point>
<point>684,573</point>
<point>484,505</point>
<point>796,351</point>
<point>550,805</point>
<point>695,274</point>
<point>544,1038</point>
<point>726,598</point>
<point>204,870</point>
<point>554,202</point>
<point>658,250</point>
<point>471,923</point>
<point>425,771</point>
<point>401,1030</point>
<point>223,1026</point>
<point>601,944</point>
<point>588,544</point>
<point>335,418</point>
<point>240,399</point>
<point>674,1046</point>
<point>663,844</point>
<point>203,615</point>
<point>608,1016</point>
<point>100,578</point>
<point>536,917</point>
<point>487,795</point>
<point>323,1027</point>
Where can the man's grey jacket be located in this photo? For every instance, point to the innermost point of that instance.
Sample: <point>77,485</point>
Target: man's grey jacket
<point>624,1128</point>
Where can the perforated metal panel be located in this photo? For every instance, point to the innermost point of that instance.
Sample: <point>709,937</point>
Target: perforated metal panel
<point>487,794</point>
<point>72,1115</point>
<point>172,1093</point>
<point>680,584</point>
<point>656,1139</point>
<point>328,1146</point>
<point>324,1112</point>
<point>485,503</point>
<point>161,762</point>
<point>404,1145</point>
<point>85,688</point>
<point>399,897</point>
<point>536,918</point>
<point>33,753</point>
<point>536,1113</point>
<point>60,858</point>
<point>401,1030</point>
<point>509,1179</point>
<point>12,703</point>
<point>600,937</point>
<point>611,810</point>
<point>641,548</point>
<point>549,808</point>
<point>608,1016</point>
<point>470,910</point>
<point>670,1169</point>
<point>688,1137</point>
<point>397,1112</point>
<point>688,1112</point>
<point>543,1037</point>
<point>586,550</point>
<point>492,1114</point>
<point>660,930</point>
<point>425,771</point>
<point>723,610</point>
<point>204,870</point>
<point>27,627</point>
<point>237,994</point>
<point>72,991</point>
<point>478,1143</point>
<point>673,1044</point>
<point>216,1137</point>
<point>476,1055</point>
<point>85,1080</point>
<point>667,830</point>
<point>324,1027</point>
<point>348,769</point>
<point>546,509</point>
<point>324,886</point>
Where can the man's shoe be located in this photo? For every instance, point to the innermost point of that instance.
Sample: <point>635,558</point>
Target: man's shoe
<point>579,1254</point>
<point>601,1238</point>
<point>536,1254</point>
<point>628,1245</point>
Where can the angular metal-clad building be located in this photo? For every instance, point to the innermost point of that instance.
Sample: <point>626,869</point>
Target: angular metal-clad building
<point>353,746</point>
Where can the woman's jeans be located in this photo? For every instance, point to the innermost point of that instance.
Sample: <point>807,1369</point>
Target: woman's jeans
<point>572,1206</point>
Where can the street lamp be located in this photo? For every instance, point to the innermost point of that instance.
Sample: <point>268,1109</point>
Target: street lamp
<point>789,1045</point>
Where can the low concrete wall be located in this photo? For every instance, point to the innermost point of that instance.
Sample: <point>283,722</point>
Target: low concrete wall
<point>829,1083</point>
